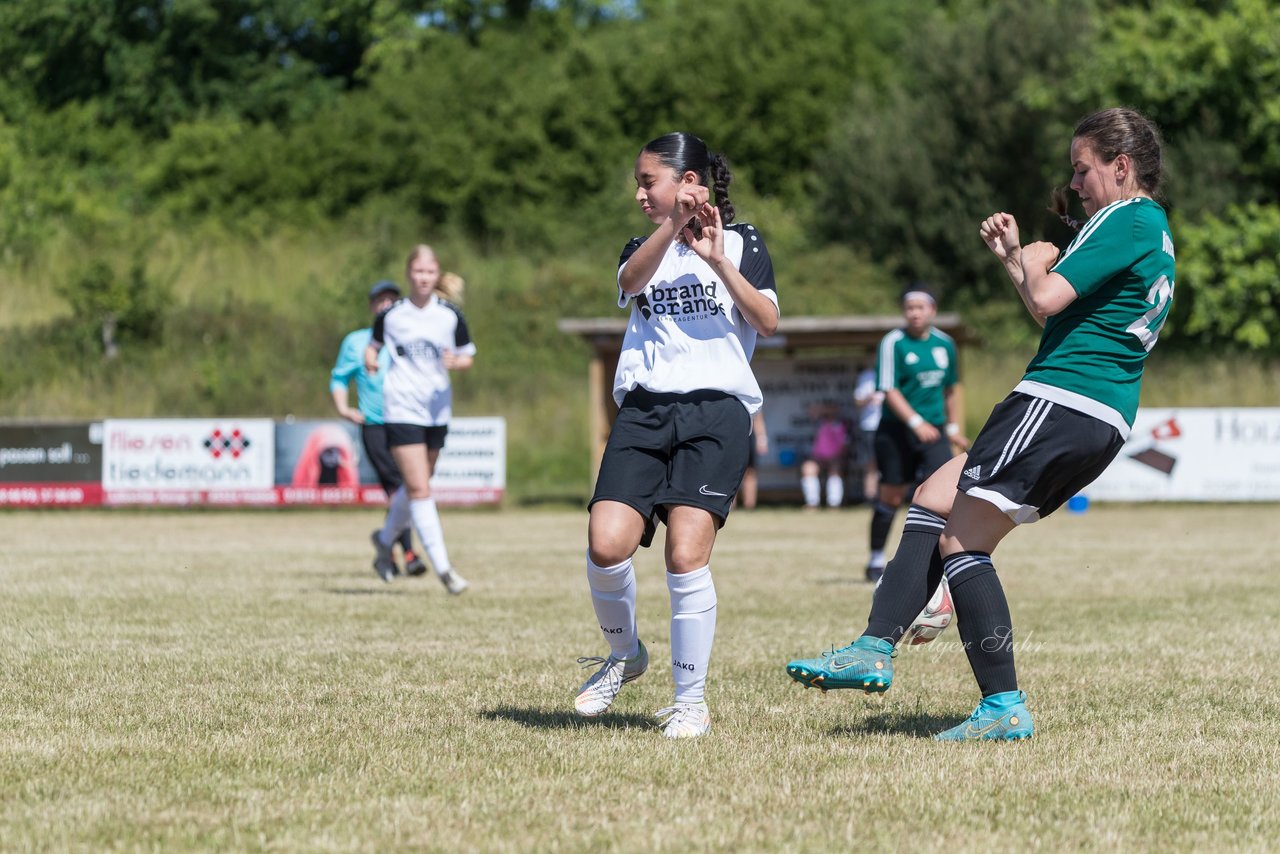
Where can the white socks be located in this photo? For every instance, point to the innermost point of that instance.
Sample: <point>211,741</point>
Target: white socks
<point>427,523</point>
<point>397,517</point>
<point>811,488</point>
<point>835,490</point>
<point>613,593</point>
<point>809,485</point>
<point>693,629</point>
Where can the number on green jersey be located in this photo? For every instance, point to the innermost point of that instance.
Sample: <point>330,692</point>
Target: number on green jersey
<point>1148,327</point>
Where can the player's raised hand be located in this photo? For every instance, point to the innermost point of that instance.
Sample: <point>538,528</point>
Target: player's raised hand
<point>371,359</point>
<point>689,199</point>
<point>1040,255</point>
<point>1000,232</point>
<point>710,243</point>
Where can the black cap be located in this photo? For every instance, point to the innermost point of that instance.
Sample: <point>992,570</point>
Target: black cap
<point>384,286</point>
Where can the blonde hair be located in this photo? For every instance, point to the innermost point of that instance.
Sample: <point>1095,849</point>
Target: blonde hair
<point>451,285</point>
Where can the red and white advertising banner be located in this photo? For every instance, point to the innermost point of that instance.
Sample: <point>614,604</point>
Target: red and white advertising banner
<point>1196,455</point>
<point>188,461</point>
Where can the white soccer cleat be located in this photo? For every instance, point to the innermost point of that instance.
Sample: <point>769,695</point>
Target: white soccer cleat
<point>934,619</point>
<point>453,582</point>
<point>598,693</point>
<point>685,720</point>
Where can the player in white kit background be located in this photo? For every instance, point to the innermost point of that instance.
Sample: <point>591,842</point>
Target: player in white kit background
<point>427,338</point>
<point>699,289</point>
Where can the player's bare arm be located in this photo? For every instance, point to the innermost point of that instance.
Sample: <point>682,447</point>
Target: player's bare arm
<point>953,397</point>
<point>1000,232</point>
<point>1046,293</point>
<point>371,357</point>
<point>456,361</point>
<point>897,402</point>
<point>757,308</point>
<point>643,263</point>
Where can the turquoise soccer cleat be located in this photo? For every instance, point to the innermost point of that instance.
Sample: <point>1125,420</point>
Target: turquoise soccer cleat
<point>864,665</point>
<point>1000,717</point>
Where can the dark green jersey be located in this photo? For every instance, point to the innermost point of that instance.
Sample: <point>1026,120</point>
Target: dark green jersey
<point>1121,267</point>
<point>921,368</point>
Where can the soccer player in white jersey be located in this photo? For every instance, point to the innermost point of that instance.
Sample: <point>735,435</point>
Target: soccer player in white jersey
<point>1102,303</point>
<point>699,289</point>
<point>427,338</point>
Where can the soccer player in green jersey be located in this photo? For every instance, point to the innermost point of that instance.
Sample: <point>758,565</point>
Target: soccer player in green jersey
<point>1102,302</point>
<point>916,370</point>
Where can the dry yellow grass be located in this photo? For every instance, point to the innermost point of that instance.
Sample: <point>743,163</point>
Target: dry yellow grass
<point>223,680</point>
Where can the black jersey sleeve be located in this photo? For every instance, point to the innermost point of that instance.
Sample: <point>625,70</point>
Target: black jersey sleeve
<point>630,249</point>
<point>756,266</point>
<point>379,327</point>
<point>461,335</point>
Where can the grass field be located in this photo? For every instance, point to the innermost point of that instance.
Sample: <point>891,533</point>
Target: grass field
<point>225,680</point>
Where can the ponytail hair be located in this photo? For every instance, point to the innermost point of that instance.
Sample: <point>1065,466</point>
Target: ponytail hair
<point>720,178</point>
<point>685,152</point>
<point>1060,207</point>
<point>451,287</point>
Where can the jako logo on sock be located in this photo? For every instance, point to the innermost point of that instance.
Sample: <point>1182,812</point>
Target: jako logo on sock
<point>616,631</point>
<point>683,666</point>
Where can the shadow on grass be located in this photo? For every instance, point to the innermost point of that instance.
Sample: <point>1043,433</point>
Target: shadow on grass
<point>543,719</point>
<point>900,723</point>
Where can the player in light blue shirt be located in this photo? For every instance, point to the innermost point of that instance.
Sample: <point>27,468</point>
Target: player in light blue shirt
<point>373,433</point>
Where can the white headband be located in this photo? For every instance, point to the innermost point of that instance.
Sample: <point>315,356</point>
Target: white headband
<point>923,295</point>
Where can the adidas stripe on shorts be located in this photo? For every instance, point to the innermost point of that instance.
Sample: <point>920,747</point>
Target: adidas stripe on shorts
<point>1033,455</point>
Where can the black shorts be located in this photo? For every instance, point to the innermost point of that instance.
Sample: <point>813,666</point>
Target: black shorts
<point>902,458</point>
<point>1033,455</point>
<point>864,448</point>
<point>675,449</point>
<point>416,434</point>
<point>378,450</point>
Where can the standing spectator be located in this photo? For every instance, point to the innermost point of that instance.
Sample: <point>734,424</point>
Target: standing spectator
<point>368,414</point>
<point>828,453</point>
<point>868,399</point>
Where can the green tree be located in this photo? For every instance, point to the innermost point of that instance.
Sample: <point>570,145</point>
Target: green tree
<point>152,63</point>
<point>1228,287</point>
<point>912,167</point>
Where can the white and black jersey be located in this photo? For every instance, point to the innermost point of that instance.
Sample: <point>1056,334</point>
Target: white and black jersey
<point>416,389</point>
<point>685,333</point>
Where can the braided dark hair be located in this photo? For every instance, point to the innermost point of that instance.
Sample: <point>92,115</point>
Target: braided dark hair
<point>1110,133</point>
<point>685,152</point>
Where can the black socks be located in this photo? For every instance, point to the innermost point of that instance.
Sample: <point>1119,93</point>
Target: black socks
<point>982,615</point>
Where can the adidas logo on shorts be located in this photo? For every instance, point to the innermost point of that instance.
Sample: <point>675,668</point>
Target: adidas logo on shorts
<point>975,472</point>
